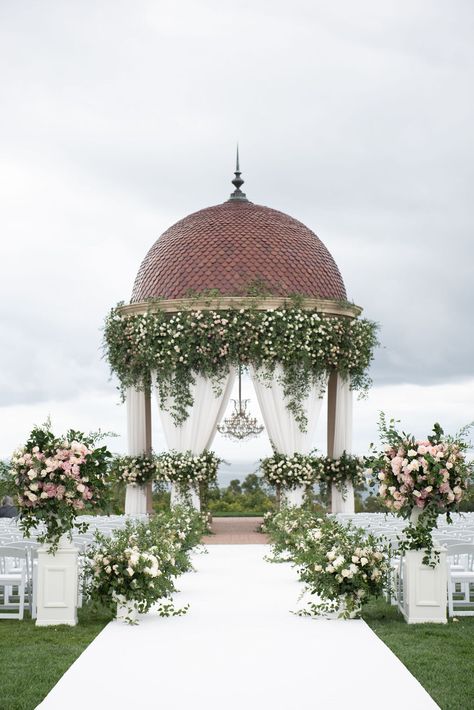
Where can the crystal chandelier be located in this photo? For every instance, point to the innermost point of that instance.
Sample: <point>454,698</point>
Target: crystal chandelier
<point>240,425</point>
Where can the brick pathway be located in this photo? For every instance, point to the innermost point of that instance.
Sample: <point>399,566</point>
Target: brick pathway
<point>236,531</point>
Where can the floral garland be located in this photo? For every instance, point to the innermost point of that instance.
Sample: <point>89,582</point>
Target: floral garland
<point>307,344</point>
<point>341,471</point>
<point>290,471</point>
<point>187,468</point>
<point>134,470</point>
<point>429,476</point>
<point>56,478</point>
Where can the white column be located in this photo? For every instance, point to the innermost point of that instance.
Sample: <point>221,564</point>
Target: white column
<point>135,497</point>
<point>342,503</point>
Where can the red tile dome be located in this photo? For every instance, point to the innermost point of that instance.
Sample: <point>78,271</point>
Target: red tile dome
<point>231,247</point>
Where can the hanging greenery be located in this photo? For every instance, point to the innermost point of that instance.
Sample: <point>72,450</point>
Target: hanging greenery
<point>307,345</point>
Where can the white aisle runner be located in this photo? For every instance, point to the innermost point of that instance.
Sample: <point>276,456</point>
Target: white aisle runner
<point>238,647</point>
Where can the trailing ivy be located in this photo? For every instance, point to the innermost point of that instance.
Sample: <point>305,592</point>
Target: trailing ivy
<point>307,345</point>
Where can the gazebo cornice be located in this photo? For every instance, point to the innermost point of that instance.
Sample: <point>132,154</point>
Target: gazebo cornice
<point>224,303</point>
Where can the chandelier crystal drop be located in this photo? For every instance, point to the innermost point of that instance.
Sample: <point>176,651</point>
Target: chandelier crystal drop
<point>240,424</point>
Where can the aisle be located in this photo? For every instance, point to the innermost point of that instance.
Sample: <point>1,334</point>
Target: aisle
<point>238,647</point>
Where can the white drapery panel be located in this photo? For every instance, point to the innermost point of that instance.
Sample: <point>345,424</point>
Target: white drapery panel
<point>343,442</point>
<point>135,497</point>
<point>282,428</point>
<point>197,432</point>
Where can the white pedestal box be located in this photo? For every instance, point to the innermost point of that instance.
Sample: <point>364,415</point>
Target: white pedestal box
<point>340,503</point>
<point>292,496</point>
<point>424,589</point>
<point>135,500</point>
<point>57,586</point>
<point>189,498</point>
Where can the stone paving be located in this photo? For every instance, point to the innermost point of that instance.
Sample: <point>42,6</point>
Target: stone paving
<point>236,531</point>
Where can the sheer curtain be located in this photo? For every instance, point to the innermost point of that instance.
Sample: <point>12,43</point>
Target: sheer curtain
<point>135,497</point>
<point>343,442</point>
<point>282,427</point>
<point>197,432</point>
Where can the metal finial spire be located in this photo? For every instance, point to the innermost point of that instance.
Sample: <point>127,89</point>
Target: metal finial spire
<point>237,181</point>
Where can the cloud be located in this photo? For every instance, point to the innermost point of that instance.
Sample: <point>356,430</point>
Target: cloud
<point>119,120</point>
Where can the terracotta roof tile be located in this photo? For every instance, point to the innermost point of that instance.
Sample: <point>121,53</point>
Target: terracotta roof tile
<point>231,246</point>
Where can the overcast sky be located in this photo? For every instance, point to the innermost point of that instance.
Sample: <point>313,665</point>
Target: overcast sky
<point>118,118</point>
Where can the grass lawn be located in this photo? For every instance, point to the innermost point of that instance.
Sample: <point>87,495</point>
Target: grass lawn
<point>440,656</point>
<point>33,659</point>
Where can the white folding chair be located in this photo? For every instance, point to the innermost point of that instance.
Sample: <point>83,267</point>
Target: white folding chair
<point>460,563</point>
<point>13,573</point>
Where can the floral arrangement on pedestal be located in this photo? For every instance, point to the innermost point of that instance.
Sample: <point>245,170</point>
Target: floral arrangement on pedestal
<point>134,470</point>
<point>58,478</point>
<point>306,343</point>
<point>290,471</point>
<point>341,471</point>
<point>188,469</point>
<point>136,567</point>
<point>421,479</point>
<point>337,563</point>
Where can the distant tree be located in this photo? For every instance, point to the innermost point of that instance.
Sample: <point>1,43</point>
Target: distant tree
<point>252,484</point>
<point>235,487</point>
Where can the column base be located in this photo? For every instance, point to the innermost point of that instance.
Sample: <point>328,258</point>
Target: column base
<point>187,497</point>
<point>135,500</point>
<point>292,496</point>
<point>57,587</point>
<point>342,503</point>
<point>424,589</point>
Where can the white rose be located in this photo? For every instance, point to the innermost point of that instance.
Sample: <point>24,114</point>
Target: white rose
<point>130,571</point>
<point>363,561</point>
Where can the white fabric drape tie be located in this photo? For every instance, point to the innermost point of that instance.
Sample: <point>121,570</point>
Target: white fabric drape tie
<point>343,442</point>
<point>282,427</point>
<point>197,432</point>
<point>135,497</point>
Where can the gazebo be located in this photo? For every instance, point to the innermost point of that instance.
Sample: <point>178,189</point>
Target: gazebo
<point>232,285</point>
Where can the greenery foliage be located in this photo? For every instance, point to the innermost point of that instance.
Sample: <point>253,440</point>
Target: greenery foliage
<point>250,497</point>
<point>307,344</point>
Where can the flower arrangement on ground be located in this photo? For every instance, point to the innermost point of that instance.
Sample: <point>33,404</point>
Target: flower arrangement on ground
<point>290,471</point>
<point>336,562</point>
<point>57,478</point>
<point>306,343</point>
<point>134,470</point>
<point>428,476</point>
<point>341,471</point>
<point>342,566</point>
<point>286,528</point>
<point>188,469</point>
<point>137,566</point>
